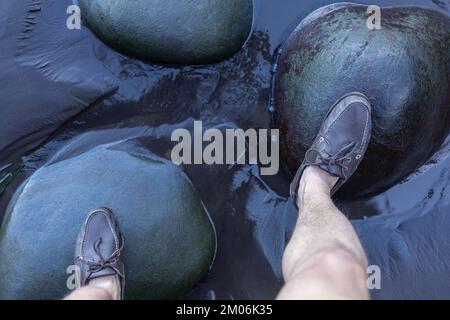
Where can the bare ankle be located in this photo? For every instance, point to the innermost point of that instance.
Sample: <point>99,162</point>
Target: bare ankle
<point>315,182</point>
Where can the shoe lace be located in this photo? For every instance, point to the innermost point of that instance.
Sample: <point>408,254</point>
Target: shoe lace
<point>101,264</point>
<point>341,158</point>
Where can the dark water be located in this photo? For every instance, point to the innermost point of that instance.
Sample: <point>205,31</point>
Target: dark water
<point>404,230</point>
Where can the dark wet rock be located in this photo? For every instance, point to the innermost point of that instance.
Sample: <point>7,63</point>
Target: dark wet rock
<point>411,249</point>
<point>403,68</point>
<point>172,31</point>
<point>441,3</point>
<point>48,74</point>
<point>246,211</point>
<point>169,238</point>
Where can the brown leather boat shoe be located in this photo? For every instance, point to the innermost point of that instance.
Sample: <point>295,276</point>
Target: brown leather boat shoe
<point>99,247</point>
<point>341,142</point>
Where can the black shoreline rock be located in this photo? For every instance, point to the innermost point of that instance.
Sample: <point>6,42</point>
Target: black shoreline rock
<point>172,31</point>
<point>403,68</point>
<point>169,238</point>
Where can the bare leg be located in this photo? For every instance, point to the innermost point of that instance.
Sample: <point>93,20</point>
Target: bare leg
<point>324,259</point>
<point>105,288</point>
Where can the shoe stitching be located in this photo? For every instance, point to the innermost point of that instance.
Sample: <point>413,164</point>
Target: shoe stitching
<point>365,126</point>
<point>366,130</point>
<point>86,227</point>
<point>300,171</point>
<point>363,102</point>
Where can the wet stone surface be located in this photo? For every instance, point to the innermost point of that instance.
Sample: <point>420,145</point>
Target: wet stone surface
<point>107,97</point>
<point>172,31</point>
<point>170,241</point>
<point>403,68</point>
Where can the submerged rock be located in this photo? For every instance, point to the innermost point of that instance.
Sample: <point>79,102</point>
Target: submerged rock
<point>172,31</point>
<point>403,68</point>
<point>169,238</point>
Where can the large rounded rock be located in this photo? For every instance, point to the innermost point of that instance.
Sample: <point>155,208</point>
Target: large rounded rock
<point>169,238</point>
<point>403,68</point>
<point>172,31</point>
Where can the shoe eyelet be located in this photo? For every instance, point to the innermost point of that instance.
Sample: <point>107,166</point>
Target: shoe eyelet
<point>358,156</point>
<point>321,139</point>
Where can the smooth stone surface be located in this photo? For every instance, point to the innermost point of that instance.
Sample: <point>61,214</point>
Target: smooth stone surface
<point>169,238</point>
<point>172,31</point>
<point>403,68</point>
<point>48,74</point>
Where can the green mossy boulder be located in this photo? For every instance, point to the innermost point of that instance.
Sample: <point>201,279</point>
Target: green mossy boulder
<point>169,238</point>
<point>403,68</point>
<point>172,31</point>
